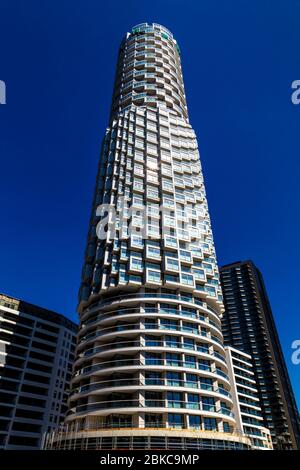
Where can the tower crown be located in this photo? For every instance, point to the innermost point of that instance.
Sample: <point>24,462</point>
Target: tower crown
<point>149,71</point>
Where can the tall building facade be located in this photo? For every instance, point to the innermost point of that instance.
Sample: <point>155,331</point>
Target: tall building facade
<point>246,405</point>
<point>248,324</point>
<point>150,369</point>
<point>36,355</point>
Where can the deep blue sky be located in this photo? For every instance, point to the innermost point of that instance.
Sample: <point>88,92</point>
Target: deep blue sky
<point>239,59</point>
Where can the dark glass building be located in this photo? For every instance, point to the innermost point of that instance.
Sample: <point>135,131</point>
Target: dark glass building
<point>248,324</point>
<point>36,356</point>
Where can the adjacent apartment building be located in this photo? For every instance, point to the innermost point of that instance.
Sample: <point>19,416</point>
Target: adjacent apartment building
<point>248,325</point>
<point>150,369</point>
<point>36,355</point>
<point>247,410</point>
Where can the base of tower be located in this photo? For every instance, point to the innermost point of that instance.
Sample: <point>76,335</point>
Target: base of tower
<point>130,439</point>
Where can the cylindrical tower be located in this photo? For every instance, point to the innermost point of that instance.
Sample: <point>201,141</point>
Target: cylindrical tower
<point>150,369</point>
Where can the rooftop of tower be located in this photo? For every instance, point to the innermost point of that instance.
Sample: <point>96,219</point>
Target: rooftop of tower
<point>143,27</point>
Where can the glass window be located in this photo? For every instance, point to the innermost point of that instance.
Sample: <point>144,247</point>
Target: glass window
<point>168,324</point>
<point>171,242</point>
<point>172,263</point>
<point>173,379</point>
<point>153,250</point>
<point>136,263</point>
<point>193,401</point>
<point>173,359</point>
<point>137,241</point>
<point>210,424</point>
<point>153,359</point>
<point>152,341</point>
<point>195,422</point>
<point>189,343</point>
<point>172,342</point>
<point>190,328</point>
<point>153,276</point>
<point>204,364</point>
<point>174,399</point>
<point>175,420</point>
<point>187,279</point>
<point>190,361</point>
<point>208,403</point>
<point>153,378</point>
<point>191,381</point>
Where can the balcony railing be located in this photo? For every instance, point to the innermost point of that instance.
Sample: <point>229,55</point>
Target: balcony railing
<point>120,363</point>
<point>150,404</point>
<point>150,343</point>
<point>150,382</point>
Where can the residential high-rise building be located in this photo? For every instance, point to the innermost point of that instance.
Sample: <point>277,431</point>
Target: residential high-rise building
<point>246,406</point>
<point>150,369</point>
<point>248,324</point>
<point>36,355</point>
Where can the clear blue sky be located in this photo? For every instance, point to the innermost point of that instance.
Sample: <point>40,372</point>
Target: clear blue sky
<point>239,59</point>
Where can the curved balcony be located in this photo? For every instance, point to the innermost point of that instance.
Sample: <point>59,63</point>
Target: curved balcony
<point>123,406</point>
<point>112,347</point>
<point>134,312</point>
<point>128,329</point>
<point>149,297</point>
<point>147,345</point>
<point>150,364</point>
<point>106,386</point>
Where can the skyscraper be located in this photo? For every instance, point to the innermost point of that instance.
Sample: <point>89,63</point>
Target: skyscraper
<point>248,324</point>
<point>36,355</point>
<point>150,370</point>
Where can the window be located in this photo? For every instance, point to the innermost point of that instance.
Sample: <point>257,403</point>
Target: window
<point>153,250</point>
<point>195,422</point>
<point>190,361</point>
<point>153,231</point>
<point>152,163</point>
<point>153,209</point>
<point>153,276</point>
<point>168,324</point>
<point>174,399</point>
<point>152,193</point>
<point>187,279</point>
<point>208,404</point>
<point>170,242</point>
<point>136,241</point>
<point>152,341</point>
<point>175,421</point>
<point>153,359</point>
<point>188,343</point>
<point>185,256</point>
<point>153,421</point>
<point>210,424</point>
<point>137,201</point>
<point>199,274</point>
<point>172,264</point>
<point>153,378</point>
<point>191,381</point>
<point>226,427</point>
<point>172,342</point>
<point>193,401</point>
<point>173,379</point>
<point>190,327</point>
<point>169,221</point>
<point>204,365</point>
<point>172,359</point>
